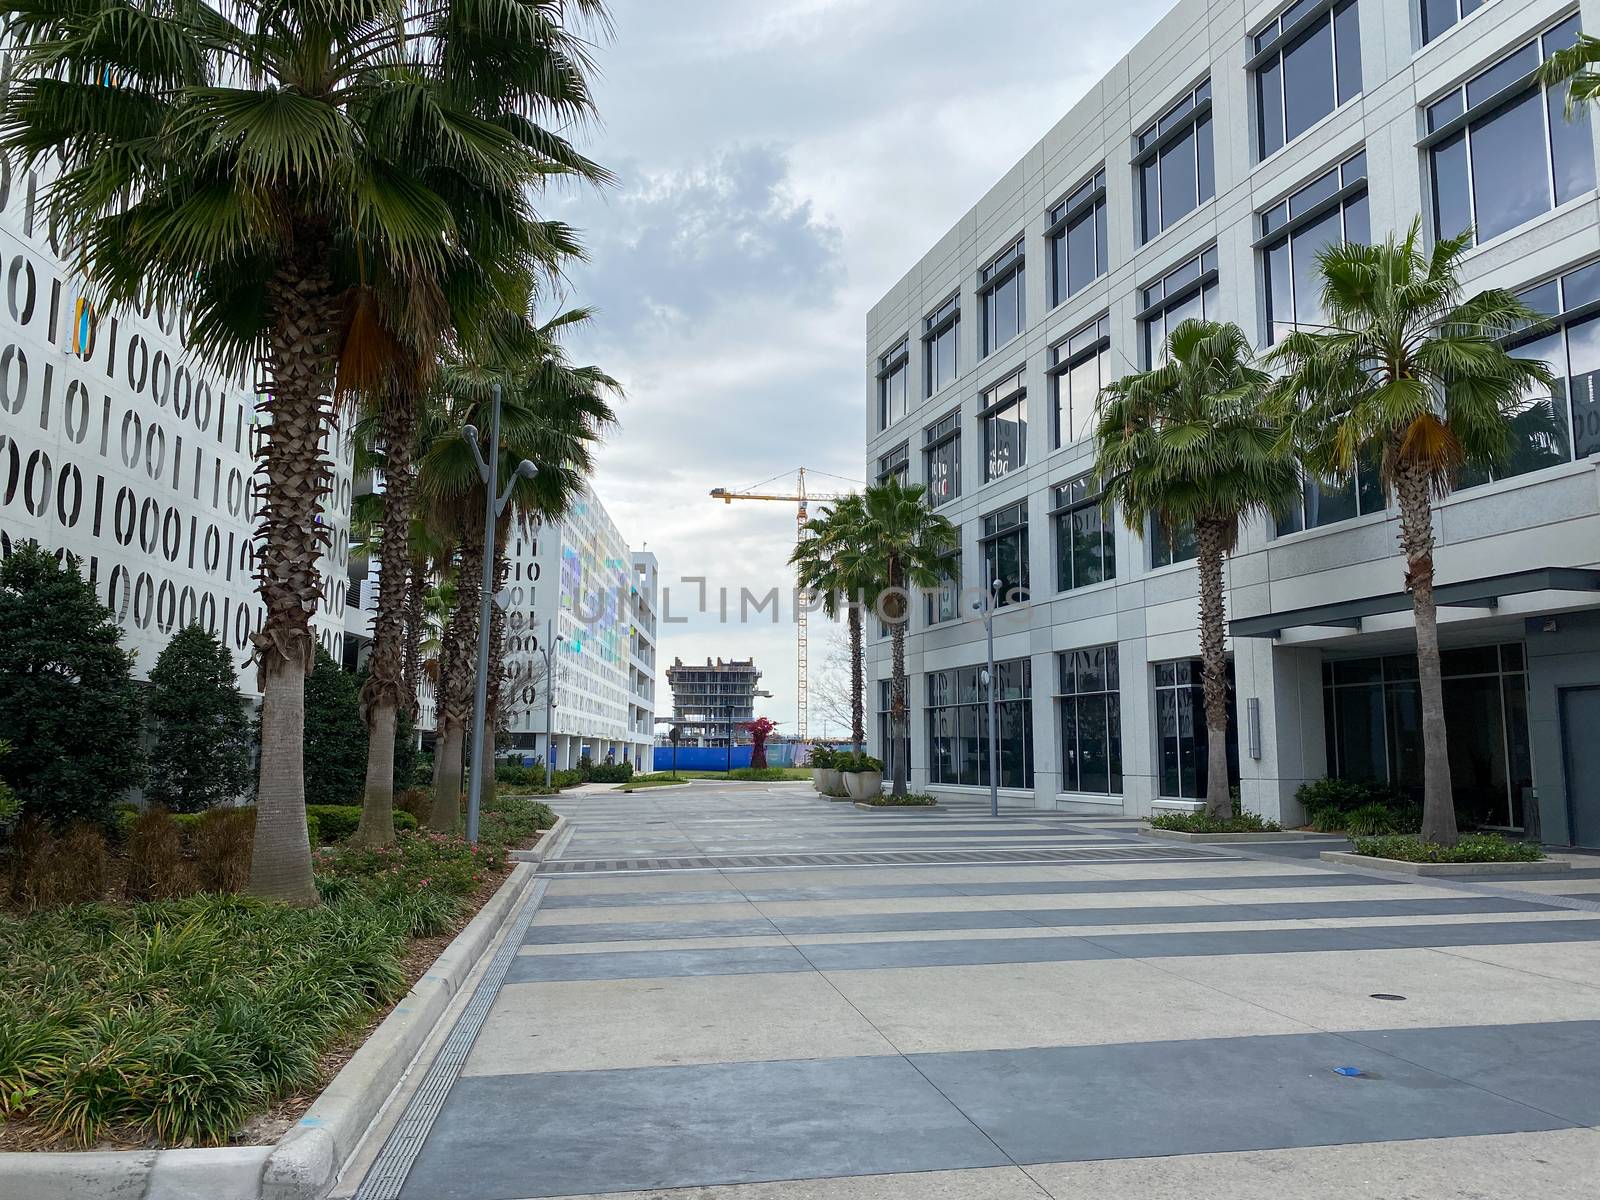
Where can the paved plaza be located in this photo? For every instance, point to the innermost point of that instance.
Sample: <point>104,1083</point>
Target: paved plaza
<point>747,992</point>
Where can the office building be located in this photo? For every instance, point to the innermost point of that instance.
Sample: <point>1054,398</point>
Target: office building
<point>1199,178</point>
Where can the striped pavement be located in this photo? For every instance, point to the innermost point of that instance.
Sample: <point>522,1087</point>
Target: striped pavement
<point>745,992</point>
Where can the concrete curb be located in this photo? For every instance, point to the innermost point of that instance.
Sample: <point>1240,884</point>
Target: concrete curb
<point>540,849</point>
<point>865,807</point>
<point>1287,835</point>
<point>305,1163</point>
<point>1434,869</point>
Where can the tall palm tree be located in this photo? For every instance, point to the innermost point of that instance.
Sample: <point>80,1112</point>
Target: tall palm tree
<point>1191,444</point>
<point>250,159</point>
<point>1409,371</point>
<point>912,547</point>
<point>828,560</point>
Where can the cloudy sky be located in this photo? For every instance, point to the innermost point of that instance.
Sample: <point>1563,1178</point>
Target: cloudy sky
<point>781,164</point>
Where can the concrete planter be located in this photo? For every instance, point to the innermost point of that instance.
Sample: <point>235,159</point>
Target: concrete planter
<point>1288,835</point>
<point>825,780</point>
<point>867,806</point>
<point>1398,867</point>
<point>861,784</point>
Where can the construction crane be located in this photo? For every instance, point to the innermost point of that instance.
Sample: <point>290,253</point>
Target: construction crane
<point>801,497</point>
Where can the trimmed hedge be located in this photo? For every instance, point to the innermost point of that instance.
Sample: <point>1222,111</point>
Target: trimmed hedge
<point>337,822</point>
<point>1472,848</point>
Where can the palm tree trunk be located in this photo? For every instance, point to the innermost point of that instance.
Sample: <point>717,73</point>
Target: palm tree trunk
<point>454,704</point>
<point>295,479</point>
<point>416,589</point>
<point>497,660</point>
<point>897,701</point>
<point>1416,542</point>
<point>1210,543</point>
<point>385,689</point>
<point>858,682</point>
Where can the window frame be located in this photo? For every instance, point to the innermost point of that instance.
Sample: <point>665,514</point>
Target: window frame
<point>1089,340</point>
<point>897,359</point>
<point>1278,223</point>
<point>957,690</point>
<point>1111,691</point>
<point>896,462</point>
<point>1008,265</point>
<point>1181,291</point>
<point>945,431</point>
<point>1010,392</point>
<point>1067,498</point>
<point>1267,46</point>
<point>945,318</point>
<point>1177,121</point>
<point>991,531</point>
<point>1469,114</point>
<point>944,602</point>
<point>1086,201</point>
<point>1430,36</point>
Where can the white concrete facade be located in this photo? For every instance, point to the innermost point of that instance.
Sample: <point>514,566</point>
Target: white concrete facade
<point>1548,517</point>
<point>119,446</point>
<point>579,580</point>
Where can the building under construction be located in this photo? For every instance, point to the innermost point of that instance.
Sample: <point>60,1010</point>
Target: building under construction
<point>711,701</point>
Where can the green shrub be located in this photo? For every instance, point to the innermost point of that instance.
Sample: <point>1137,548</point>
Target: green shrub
<point>336,736</point>
<point>200,726</point>
<point>10,806</point>
<point>607,772</point>
<point>760,774</point>
<point>532,778</point>
<point>1370,820</point>
<point>337,822</point>
<point>67,700</point>
<point>909,800</point>
<point>823,757</point>
<point>1327,802</point>
<point>854,763</point>
<point>157,869</point>
<point>1199,822</point>
<point>1473,847</point>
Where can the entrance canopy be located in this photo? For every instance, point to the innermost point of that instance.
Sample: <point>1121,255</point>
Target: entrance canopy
<point>1477,593</point>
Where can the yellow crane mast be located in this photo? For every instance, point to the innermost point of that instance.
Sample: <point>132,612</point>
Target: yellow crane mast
<point>802,498</point>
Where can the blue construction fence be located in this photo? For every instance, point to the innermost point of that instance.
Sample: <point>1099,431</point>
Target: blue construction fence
<point>717,758</point>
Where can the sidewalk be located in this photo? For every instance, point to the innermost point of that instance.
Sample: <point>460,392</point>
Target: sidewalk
<point>753,993</point>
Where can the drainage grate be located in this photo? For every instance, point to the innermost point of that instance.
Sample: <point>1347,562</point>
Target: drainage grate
<point>388,1172</point>
<point>1075,854</point>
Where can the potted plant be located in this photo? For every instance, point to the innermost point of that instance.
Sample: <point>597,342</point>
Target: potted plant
<point>863,775</point>
<point>824,769</point>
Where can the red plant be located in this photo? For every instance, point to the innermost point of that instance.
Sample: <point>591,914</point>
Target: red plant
<point>759,730</point>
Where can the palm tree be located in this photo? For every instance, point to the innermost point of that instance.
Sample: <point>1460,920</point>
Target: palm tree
<point>1409,372</point>
<point>1578,66</point>
<point>253,160</point>
<point>1190,444</point>
<point>912,547</point>
<point>828,560</point>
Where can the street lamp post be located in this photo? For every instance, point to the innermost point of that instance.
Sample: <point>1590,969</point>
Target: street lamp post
<point>987,607</point>
<point>548,650</point>
<point>493,506</point>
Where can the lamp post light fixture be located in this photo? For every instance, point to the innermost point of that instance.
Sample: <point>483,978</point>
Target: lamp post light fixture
<point>493,505</point>
<point>548,649</point>
<point>986,608</point>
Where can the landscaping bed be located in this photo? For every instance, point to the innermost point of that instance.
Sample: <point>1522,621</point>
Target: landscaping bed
<point>214,1019</point>
<point>909,800</point>
<point>1474,854</point>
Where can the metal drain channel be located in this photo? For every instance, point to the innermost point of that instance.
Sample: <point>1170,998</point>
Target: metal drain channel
<point>1085,854</point>
<point>389,1170</point>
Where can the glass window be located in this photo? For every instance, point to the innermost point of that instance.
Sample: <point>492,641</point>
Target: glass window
<point>1005,427</point>
<point>941,459</point>
<point>944,602</point>
<point>896,464</point>
<point>1372,718</point>
<point>1171,543</point>
<point>1000,287</point>
<point>1307,74</point>
<point>940,331</point>
<point>1189,290</point>
<point>1091,721</point>
<point>1086,547</point>
<point>958,726</point>
<point>1176,170</point>
<point>1005,553</point>
<point>1314,217</point>
<point>1516,155</point>
<point>1078,239</point>
<point>1080,366</point>
<point>892,401</point>
<point>1181,730</point>
<point>1439,15</point>
<point>895,744</point>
